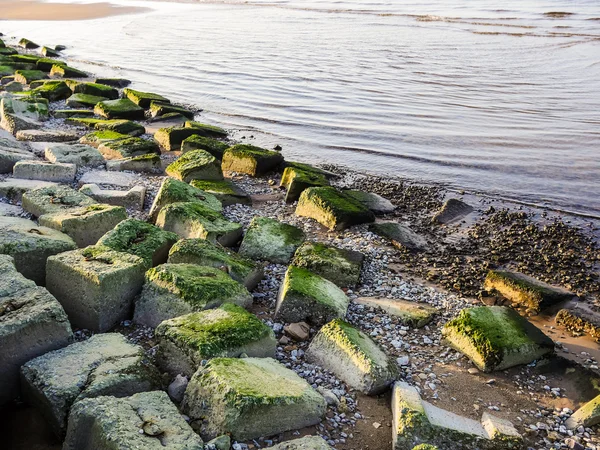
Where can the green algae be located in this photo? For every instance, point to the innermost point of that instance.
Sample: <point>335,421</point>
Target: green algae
<point>197,142</point>
<point>196,164</point>
<point>251,160</point>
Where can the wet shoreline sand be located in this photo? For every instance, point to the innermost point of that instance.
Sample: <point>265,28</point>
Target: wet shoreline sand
<point>36,10</point>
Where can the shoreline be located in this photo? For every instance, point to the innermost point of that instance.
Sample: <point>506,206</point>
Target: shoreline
<point>394,272</point>
<point>44,11</point>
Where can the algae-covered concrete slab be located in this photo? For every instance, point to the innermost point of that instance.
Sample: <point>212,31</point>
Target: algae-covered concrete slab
<point>54,199</point>
<point>173,191</point>
<point>270,240</point>
<point>79,154</point>
<point>452,211</point>
<point>226,191</point>
<point>375,202</point>
<point>40,170</point>
<point>227,331</point>
<point>195,165</point>
<point>496,338</point>
<point>249,398</point>
<point>296,180</point>
<point>105,364</point>
<point>172,290</point>
<point>131,199</point>
<point>401,235</point>
<point>587,416</point>
<point>413,314</point>
<point>251,160</point>
<point>353,357</point>
<point>11,152</point>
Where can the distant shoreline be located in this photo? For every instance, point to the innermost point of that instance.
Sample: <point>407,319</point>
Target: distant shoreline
<point>37,10</point>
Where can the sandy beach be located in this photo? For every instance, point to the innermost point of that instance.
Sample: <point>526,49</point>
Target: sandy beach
<point>32,10</point>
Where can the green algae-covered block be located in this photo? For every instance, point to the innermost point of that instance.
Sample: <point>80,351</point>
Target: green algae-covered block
<point>226,191</point>
<point>53,90</point>
<point>119,109</point>
<point>8,51</point>
<point>251,160</point>
<point>332,209</point>
<point>26,43</point>
<point>352,356</point>
<point>409,313</point>
<point>30,245</point>
<point>212,146</point>
<point>171,138</point>
<point>173,191</point>
<point>117,125</point>
<point>87,224</point>
<point>205,253</point>
<point>304,443</point>
<point>372,201</point>
<point>83,101</point>
<point>172,290</point>
<point>27,76</point>
<point>150,162</point>
<point>227,331</point>
<point>338,265</point>
<point>78,154</point>
<point>46,64</point>
<point>141,239</point>
<point>100,90</point>
<point>96,138</point>
<point>6,70</point>
<point>195,220</point>
<point>305,296</point>
<point>50,53</point>
<point>54,199</point>
<point>296,180</point>
<point>143,99</point>
<point>586,416</point>
<point>206,130</point>
<point>147,420</point>
<point>114,82</point>
<point>95,286</point>
<point>496,338</point>
<point>105,364</point>
<point>525,291</point>
<point>128,148</point>
<point>23,113</point>
<point>195,165</point>
<point>249,398</point>
<point>158,109</point>
<point>64,71</point>
<point>71,113</point>
<point>270,240</point>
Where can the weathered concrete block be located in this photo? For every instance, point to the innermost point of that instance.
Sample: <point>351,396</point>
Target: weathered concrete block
<point>119,109</point>
<point>305,443</point>
<point>85,225</point>
<point>374,202</point>
<point>54,199</point>
<point>11,152</point>
<point>140,239</point>
<point>32,323</point>
<point>212,146</point>
<point>205,253</point>
<point>171,138</point>
<point>144,163</point>
<point>96,287</point>
<point>103,177</point>
<point>332,208</point>
<point>131,199</point>
<point>297,180</point>
<point>401,235</point>
<point>496,338</point>
<point>174,191</point>
<point>46,136</point>
<point>224,332</point>
<point>97,138</point>
<point>14,188</point>
<point>451,211</point>
<point>144,99</point>
<point>305,296</point>
<point>587,416</point>
<point>78,154</point>
<point>195,165</point>
<point>416,421</point>
<point>173,290</point>
<point>412,314</point>
<point>580,317</point>
<point>353,356</point>
<point>226,191</point>
<point>270,240</point>
<point>251,160</point>
<point>39,170</point>
<point>195,220</point>
<point>105,364</point>
<point>147,420</point>
<point>128,148</point>
<point>30,245</point>
<point>25,113</point>
<point>249,398</point>
<point>338,265</point>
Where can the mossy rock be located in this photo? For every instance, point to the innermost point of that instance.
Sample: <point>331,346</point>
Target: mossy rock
<point>114,82</point>
<point>150,163</point>
<point>97,138</point>
<point>251,160</point>
<point>143,99</point>
<point>305,296</point>
<point>99,90</point>
<point>270,240</point>
<point>353,357</point>
<point>83,101</point>
<point>23,113</point>
<point>70,113</point>
<point>205,253</point>
<point>212,146</point>
<point>45,64</point>
<point>119,109</point>
<point>195,220</point>
<point>127,148</point>
<point>53,200</point>
<point>30,59</point>
<point>6,71</point>
<point>172,290</point>
<point>195,165</point>
<point>8,51</point>
<point>337,265</point>
<point>64,71</point>
<point>27,44</point>
<point>50,53</point>
<point>117,125</point>
<point>27,76</point>
<point>207,130</point>
<point>296,180</point>
<point>53,91</point>
<point>224,332</point>
<point>170,138</point>
<point>496,338</point>
<point>332,208</point>
<point>173,191</point>
<point>158,109</point>
<point>141,239</point>
<point>226,191</point>
<point>374,202</point>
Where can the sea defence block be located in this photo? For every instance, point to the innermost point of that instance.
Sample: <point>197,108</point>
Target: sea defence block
<point>337,265</point>
<point>173,290</point>
<point>117,125</point>
<point>171,138</point>
<point>195,165</point>
<point>119,109</point>
<point>11,152</point>
<point>64,71</point>
<point>251,160</point>
<point>46,136</point>
<point>32,323</point>
<point>148,420</point>
<point>131,199</point>
<point>296,181</point>
<point>212,146</point>
<point>143,99</point>
<point>194,220</point>
<point>305,296</point>
<point>227,331</point>
<point>105,364</point>
<point>226,191</point>
<point>205,253</point>
<point>96,138</point>
<point>158,108</point>
<point>452,211</point>
<point>53,90</point>
<point>496,338</point>
<point>39,170</point>
<point>400,235</point>
<point>249,398</point>
<point>30,245</point>
<point>525,291</point>
<point>372,201</point>
<point>416,422</point>
<point>96,287</point>
<point>332,208</point>
<point>587,416</point>
<point>54,199</point>
<point>304,443</point>
<point>412,314</point>
<point>127,148</point>
<point>27,76</point>
<point>84,100</point>
<point>24,113</point>
<point>352,356</point>
<point>270,240</point>
<point>78,154</point>
<point>100,90</point>
<point>150,163</point>
<point>173,191</point>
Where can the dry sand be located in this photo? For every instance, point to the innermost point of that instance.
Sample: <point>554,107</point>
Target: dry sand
<point>35,10</point>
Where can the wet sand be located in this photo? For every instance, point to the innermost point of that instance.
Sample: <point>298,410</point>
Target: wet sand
<point>34,10</point>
